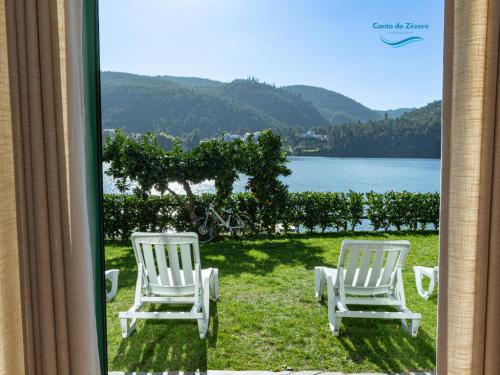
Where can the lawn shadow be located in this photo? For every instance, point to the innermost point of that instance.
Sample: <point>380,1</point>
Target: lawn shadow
<point>261,257</point>
<point>257,256</point>
<point>235,257</point>
<point>161,345</point>
<point>381,342</point>
<point>175,345</point>
<point>127,266</point>
<point>214,325</point>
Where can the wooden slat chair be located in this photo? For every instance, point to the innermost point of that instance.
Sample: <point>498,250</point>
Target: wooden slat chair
<point>169,272</point>
<point>369,273</point>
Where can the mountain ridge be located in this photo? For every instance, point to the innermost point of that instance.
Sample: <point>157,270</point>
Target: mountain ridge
<point>181,105</point>
<point>335,107</point>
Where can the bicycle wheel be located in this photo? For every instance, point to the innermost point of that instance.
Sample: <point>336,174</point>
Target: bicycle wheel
<point>206,229</point>
<point>247,226</point>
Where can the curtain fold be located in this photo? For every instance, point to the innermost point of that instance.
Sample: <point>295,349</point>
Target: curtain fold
<point>47,122</point>
<point>11,338</point>
<point>469,302</point>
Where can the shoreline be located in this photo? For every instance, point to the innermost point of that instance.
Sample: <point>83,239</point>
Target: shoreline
<point>319,155</point>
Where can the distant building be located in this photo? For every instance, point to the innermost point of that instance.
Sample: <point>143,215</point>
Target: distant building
<point>112,133</point>
<point>135,135</point>
<point>255,137</point>
<point>227,137</point>
<point>310,134</point>
<point>231,137</point>
<point>109,133</point>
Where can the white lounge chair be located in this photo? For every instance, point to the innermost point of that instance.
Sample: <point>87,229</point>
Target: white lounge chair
<point>432,273</point>
<point>369,273</point>
<point>112,276</point>
<point>169,272</point>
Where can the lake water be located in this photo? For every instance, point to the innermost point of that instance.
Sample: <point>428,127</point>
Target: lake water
<point>344,174</point>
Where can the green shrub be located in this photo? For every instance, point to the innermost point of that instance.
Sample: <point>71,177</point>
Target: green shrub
<point>402,210</point>
<point>124,214</point>
<point>377,211</point>
<point>355,208</point>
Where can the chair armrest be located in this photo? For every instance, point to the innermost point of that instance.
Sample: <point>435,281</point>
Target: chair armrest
<point>112,276</point>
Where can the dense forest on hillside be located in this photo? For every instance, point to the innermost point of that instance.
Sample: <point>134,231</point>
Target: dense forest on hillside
<point>181,105</point>
<point>334,107</point>
<point>177,111</point>
<point>193,82</point>
<point>394,113</point>
<point>198,108</point>
<point>118,79</point>
<point>248,101</point>
<point>414,134</point>
<point>282,105</point>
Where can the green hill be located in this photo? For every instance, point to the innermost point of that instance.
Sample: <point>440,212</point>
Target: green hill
<point>183,105</point>
<point>193,82</point>
<point>176,110</point>
<point>427,115</point>
<point>278,103</point>
<point>416,134</point>
<point>335,107</point>
<point>118,79</point>
<point>180,105</point>
<point>394,113</point>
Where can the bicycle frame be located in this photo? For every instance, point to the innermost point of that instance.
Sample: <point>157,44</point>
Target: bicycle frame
<point>221,221</point>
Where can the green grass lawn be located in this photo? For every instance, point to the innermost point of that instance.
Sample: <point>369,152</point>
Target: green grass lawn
<point>267,317</point>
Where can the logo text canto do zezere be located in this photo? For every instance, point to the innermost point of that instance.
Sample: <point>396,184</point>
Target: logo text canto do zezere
<point>402,28</point>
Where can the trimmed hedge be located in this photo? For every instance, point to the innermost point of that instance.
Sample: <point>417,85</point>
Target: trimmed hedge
<point>124,214</point>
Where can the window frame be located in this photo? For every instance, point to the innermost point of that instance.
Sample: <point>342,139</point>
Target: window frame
<point>93,152</point>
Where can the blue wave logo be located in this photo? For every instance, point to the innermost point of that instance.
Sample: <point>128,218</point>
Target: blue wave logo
<point>401,43</point>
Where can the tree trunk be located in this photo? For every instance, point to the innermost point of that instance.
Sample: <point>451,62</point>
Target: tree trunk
<point>191,203</point>
<point>190,207</point>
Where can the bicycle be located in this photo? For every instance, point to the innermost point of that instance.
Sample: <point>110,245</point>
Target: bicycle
<point>207,226</point>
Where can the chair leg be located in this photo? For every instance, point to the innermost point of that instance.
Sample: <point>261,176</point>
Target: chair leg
<point>112,275</point>
<point>420,273</point>
<point>126,329</point>
<point>203,322</point>
<point>319,283</point>
<point>214,285</point>
<point>336,326</point>
<point>334,320</point>
<point>415,324</point>
<point>411,329</point>
<point>203,327</point>
<point>209,290</point>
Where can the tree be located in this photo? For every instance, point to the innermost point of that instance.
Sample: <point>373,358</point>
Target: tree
<point>264,164</point>
<point>222,161</point>
<point>145,163</point>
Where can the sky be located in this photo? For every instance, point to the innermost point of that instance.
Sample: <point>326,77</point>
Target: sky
<point>327,43</point>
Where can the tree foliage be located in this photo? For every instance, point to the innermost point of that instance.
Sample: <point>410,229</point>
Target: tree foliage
<point>142,164</point>
<point>265,163</point>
